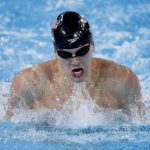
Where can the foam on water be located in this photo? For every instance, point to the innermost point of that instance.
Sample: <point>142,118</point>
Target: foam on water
<point>121,33</point>
<point>79,111</point>
<point>80,121</point>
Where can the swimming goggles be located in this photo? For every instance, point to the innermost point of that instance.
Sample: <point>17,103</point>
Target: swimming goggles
<point>81,52</point>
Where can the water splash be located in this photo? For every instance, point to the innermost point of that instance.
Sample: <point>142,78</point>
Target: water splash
<point>79,111</point>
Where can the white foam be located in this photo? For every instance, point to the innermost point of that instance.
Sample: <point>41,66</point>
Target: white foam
<point>78,112</point>
<point>4,94</point>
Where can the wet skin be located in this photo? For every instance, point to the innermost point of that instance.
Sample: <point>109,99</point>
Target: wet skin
<point>49,84</point>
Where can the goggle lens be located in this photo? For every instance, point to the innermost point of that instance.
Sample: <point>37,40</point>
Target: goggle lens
<point>66,55</point>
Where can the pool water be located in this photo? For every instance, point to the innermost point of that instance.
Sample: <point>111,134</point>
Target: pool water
<point>121,31</point>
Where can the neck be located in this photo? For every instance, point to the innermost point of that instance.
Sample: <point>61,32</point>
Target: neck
<point>62,79</point>
<point>93,72</point>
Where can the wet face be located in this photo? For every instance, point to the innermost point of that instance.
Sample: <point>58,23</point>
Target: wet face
<point>75,62</point>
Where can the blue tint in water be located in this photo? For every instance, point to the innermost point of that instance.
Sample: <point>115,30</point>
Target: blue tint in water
<point>16,139</point>
<point>121,31</point>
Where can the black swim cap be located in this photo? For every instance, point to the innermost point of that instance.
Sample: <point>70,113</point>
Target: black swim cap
<point>70,31</point>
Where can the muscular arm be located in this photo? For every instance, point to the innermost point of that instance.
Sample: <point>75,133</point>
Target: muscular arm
<point>28,86</point>
<point>134,96</point>
<point>22,91</point>
<point>123,85</point>
<point>132,101</point>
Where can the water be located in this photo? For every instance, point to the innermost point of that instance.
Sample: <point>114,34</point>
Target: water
<point>121,31</point>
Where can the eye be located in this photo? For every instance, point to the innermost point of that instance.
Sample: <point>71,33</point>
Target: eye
<point>64,54</point>
<point>83,51</point>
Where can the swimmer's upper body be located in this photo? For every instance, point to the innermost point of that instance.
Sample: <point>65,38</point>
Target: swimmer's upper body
<point>49,84</point>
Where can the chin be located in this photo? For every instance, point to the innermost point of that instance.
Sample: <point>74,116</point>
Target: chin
<point>78,80</point>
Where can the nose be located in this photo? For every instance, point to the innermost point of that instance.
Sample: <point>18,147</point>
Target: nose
<point>75,61</point>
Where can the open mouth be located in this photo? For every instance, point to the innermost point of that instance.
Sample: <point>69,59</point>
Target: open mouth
<point>78,72</point>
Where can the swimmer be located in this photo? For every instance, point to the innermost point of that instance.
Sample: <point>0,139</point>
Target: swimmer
<point>49,84</point>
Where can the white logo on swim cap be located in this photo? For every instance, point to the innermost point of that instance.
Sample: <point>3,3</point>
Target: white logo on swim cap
<point>73,40</point>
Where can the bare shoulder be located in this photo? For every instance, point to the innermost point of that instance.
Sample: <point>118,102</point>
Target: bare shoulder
<point>33,75</point>
<point>30,83</point>
<point>121,82</point>
<point>116,72</point>
<point>22,80</point>
<point>49,68</point>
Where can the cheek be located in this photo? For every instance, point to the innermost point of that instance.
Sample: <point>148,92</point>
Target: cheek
<point>86,61</point>
<point>64,63</point>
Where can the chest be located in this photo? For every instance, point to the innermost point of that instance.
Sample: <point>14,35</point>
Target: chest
<point>52,97</point>
<point>108,95</point>
<point>102,94</point>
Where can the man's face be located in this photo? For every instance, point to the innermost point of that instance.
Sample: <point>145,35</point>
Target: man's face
<point>76,67</point>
